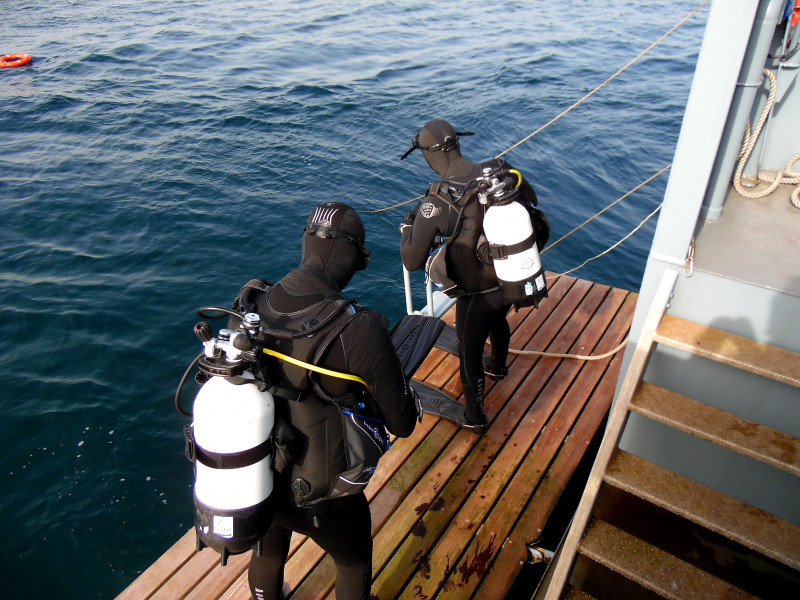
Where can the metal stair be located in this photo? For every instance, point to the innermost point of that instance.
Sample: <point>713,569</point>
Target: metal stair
<point>642,531</point>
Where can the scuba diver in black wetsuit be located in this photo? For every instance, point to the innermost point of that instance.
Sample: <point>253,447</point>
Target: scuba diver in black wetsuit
<point>451,211</point>
<point>312,408</point>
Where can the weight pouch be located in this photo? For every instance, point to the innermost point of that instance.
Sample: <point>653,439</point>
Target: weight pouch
<point>366,441</point>
<point>436,270</point>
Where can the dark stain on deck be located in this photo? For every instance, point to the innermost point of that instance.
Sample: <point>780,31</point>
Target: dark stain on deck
<point>478,563</point>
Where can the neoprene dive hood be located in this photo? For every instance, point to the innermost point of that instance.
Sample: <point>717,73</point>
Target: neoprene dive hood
<point>333,250</point>
<point>439,144</point>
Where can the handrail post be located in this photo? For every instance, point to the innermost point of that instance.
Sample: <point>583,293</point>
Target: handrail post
<point>429,293</point>
<point>407,284</point>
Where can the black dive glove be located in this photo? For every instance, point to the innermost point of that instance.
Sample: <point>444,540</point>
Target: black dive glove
<point>408,220</point>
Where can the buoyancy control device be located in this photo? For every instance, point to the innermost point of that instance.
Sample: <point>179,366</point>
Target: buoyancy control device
<point>229,440</point>
<point>326,411</point>
<point>514,231</point>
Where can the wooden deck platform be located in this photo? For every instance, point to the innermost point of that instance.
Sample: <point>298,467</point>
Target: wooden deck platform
<point>452,511</point>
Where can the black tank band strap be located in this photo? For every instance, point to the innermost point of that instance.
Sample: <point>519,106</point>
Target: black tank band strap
<point>285,393</point>
<point>501,252</point>
<point>233,460</point>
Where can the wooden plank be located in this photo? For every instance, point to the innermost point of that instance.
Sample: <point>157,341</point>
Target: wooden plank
<point>297,568</point>
<point>386,586</point>
<point>652,568</point>
<point>512,554</point>
<point>160,571</point>
<point>412,471</point>
<point>240,590</point>
<point>727,348</point>
<point>405,515</point>
<point>385,503</point>
<point>500,464</point>
<point>719,427</point>
<point>182,582</point>
<point>429,484</point>
<point>303,554</point>
<point>396,474</point>
<point>220,578</point>
<point>616,423</point>
<point>498,525</point>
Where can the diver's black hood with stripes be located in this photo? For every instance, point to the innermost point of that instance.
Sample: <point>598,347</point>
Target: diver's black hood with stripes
<point>333,250</point>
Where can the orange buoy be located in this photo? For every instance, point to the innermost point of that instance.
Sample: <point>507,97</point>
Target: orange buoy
<point>14,60</point>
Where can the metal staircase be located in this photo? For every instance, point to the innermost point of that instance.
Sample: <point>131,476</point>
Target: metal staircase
<point>642,531</point>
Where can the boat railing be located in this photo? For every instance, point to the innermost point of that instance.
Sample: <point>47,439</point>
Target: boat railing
<point>438,303</point>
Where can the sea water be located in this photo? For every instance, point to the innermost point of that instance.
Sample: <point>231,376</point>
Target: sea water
<point>157,155</point>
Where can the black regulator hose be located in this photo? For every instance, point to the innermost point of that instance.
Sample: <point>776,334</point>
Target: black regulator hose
<point>203,312</point>
<point>181,384</point>
<point>207,312</point>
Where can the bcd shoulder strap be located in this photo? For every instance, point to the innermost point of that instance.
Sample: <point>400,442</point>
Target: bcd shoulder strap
<point>245,299</point>
<point>457,195</point>
<point>348,399</point>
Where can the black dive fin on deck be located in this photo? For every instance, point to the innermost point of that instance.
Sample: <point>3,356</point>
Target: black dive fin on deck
<point>438,404</point>
<point>413,337</point>
<point>448,341</point>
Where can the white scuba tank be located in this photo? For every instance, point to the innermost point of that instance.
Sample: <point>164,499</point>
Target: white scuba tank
<point>232,423</point>
<point>512,244</point>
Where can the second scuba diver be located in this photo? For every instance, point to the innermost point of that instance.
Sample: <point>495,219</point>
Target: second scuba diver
<point>451,216</point>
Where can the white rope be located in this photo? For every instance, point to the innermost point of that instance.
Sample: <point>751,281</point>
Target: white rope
<point>575,356</point>
<point>542,128</point>
<point>774,179</point>
<point>581,356</point>
<point>607,81</point>
<point>623,344</point>
<point>576,104</point>
<point>617,201</point>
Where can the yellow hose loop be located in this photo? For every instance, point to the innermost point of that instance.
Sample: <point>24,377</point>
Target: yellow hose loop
<point>519,177</point>
<point>317,369</point>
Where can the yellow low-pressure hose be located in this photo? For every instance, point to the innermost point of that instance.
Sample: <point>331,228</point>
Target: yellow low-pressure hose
<point>317,369</point>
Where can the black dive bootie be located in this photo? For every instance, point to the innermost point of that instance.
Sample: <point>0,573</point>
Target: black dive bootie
<point>491,372</point>
<point>482,424</point>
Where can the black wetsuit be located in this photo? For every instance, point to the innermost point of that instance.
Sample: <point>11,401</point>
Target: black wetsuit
<point>342,526</point>
<point>344,532</point>
<point>480,308</point>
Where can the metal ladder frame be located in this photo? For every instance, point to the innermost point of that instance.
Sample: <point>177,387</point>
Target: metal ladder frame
<point>432,309</point>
